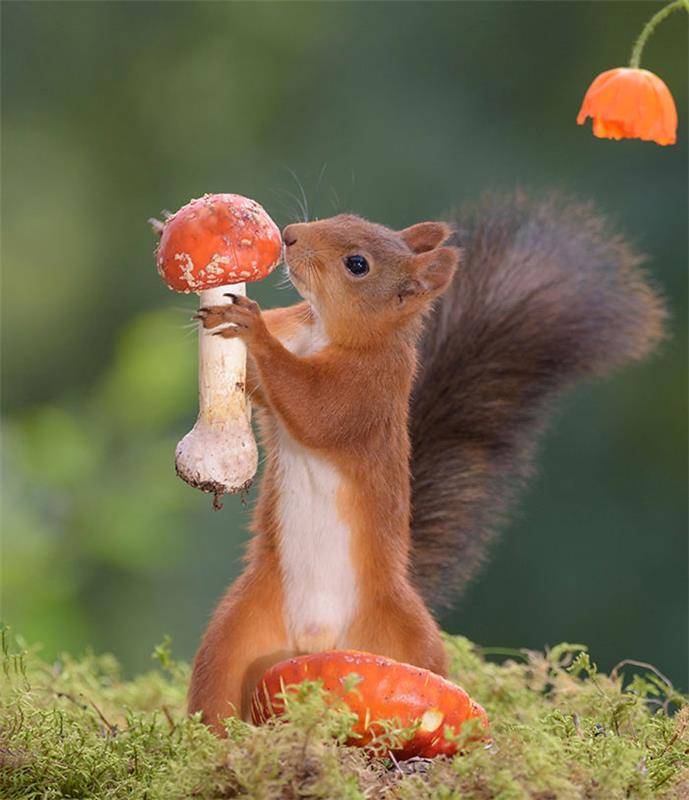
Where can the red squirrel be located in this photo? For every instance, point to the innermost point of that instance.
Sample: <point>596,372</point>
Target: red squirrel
<point>399,404</point>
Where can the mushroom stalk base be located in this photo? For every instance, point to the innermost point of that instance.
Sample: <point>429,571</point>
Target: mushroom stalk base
<point>219,454</point>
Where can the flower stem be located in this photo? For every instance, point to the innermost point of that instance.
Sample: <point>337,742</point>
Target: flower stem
<point>650,27</point>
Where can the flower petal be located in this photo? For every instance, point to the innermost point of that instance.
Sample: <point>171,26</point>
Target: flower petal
<point>630,103</point>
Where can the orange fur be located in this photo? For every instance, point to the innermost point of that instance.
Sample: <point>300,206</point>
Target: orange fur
<point>347,403</point>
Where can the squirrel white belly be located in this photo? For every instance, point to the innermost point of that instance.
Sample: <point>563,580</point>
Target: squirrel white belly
<point>318,577</point>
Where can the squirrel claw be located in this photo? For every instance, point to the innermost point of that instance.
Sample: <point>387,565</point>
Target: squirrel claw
<point>157,226</point>
<point>241,301</point>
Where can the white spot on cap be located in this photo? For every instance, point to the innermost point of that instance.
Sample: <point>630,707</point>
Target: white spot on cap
<point>187,270</point>
<point>431,720</point>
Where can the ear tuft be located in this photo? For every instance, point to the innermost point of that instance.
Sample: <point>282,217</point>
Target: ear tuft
<point>426,236</point>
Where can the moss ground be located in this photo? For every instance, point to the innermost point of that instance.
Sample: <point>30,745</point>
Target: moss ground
<point>76,729</point>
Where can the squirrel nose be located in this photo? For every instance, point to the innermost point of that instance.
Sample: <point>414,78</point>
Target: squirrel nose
<point>289,236</point>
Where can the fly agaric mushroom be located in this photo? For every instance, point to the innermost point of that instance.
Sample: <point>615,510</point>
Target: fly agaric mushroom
<point>388,690</point>
<point>213,245</point>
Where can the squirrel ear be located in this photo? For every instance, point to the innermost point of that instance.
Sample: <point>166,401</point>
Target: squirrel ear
<point>432,273</point>
<point>426,235</point>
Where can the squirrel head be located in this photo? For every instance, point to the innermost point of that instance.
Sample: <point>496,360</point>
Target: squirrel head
<point>363,278</point>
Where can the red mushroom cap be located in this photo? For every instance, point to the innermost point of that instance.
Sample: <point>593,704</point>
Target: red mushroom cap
<point>388,690</point>
<point>216,240</point>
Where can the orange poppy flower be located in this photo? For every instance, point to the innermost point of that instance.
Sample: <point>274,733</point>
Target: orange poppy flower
<point>629,103</point>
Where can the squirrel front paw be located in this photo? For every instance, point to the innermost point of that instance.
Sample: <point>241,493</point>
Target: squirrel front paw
<point>243,319</point>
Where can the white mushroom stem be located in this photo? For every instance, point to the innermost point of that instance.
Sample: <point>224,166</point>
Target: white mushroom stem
<point>219,454</point>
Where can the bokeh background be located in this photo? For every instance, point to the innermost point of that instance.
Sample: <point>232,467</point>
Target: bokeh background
<point>112,111</point>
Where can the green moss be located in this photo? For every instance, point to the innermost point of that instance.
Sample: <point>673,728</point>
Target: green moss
<point>76,729</point>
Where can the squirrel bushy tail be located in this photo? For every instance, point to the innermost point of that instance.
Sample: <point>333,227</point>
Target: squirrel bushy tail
<point>545,294</point>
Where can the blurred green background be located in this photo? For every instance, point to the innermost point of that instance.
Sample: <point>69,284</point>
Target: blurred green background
<point>112,111</point>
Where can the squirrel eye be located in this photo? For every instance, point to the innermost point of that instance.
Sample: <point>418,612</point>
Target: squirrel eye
<point>357,265</point>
